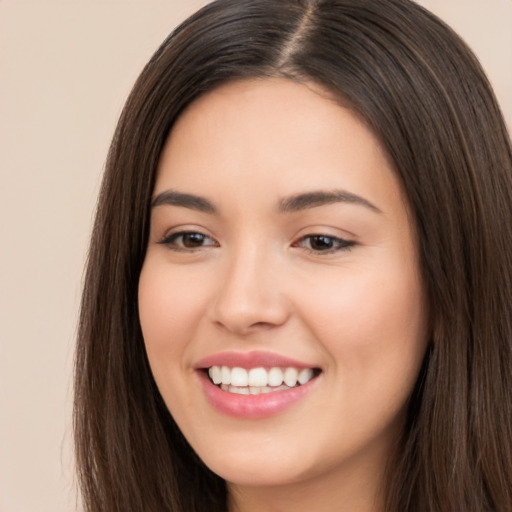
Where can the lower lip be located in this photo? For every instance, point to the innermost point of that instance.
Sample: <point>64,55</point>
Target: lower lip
<point>253,406</point>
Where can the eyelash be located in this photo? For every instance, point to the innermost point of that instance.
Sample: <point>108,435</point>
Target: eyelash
<point>337,244</point>
<point>332,244</point>
<point>171,241</point>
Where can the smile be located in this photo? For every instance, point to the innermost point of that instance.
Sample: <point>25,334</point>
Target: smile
<point>259,380</point>
<point>255,384</point>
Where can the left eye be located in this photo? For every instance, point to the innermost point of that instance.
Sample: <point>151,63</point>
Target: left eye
<point>186,240</point>
<point>323,243</point>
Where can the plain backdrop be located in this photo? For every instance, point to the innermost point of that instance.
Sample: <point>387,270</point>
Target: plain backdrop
<point>66,68</point>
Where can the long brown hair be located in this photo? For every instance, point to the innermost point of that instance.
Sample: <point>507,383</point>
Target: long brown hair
<point>422,92</point>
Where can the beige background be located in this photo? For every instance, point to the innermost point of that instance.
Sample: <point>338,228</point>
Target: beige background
<point>65,69</point>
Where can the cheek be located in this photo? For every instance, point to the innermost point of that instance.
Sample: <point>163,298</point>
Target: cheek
<point>371,323</point>
<point>169,311</point>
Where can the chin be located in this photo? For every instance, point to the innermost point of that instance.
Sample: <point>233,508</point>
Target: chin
<point>261,473</point>
<point>263,462</point>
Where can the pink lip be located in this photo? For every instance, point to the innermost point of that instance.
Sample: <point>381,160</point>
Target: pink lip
<point>253,406</point>
<point>249,360</point>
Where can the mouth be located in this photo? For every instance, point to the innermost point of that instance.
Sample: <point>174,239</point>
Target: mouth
<point>256,384</point>
<point>260,380</point>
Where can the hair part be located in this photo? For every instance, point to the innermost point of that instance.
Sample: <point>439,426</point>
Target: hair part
<point>421,91</point>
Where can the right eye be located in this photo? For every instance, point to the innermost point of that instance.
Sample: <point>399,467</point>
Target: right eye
<point>187,241</point>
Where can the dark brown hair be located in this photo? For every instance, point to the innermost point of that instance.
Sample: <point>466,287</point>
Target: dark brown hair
<point>422,92</point>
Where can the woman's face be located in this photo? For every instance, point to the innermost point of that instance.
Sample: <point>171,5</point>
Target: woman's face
<point>281,248</point>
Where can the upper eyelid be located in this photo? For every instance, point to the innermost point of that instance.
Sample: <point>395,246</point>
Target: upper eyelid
<point>169,237</point>
<point>323,235</point>
<point>327,231</point>
<point>184,229</point>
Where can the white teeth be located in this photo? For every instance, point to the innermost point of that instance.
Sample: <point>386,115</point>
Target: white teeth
<point>215,374</point>
<point>239,377</point>
<point>290,376</point>
<point>258,377</point>
<point>258,380</point>
<point>305,375</point>
<point>275,377</point>
<point>226,375</point>
<point>251,390</point>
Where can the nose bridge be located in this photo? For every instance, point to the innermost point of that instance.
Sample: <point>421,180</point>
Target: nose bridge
<point>249,294</point>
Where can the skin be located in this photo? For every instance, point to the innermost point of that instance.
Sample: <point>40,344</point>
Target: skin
<point>256,280</point>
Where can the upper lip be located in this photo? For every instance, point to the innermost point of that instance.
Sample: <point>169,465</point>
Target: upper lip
<point>253,359</point>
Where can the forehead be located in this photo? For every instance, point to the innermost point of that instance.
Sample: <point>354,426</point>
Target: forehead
<point>275,135</point>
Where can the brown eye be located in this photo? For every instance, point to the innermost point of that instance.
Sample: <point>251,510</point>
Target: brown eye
<point>321,243</point>
<point>192,240</point>
<point>187,240</point>
<point>324,243</point>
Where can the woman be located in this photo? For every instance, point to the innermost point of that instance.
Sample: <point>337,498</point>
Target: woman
<point>299,285</point>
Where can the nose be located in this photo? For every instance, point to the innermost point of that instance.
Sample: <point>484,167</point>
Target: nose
<point>250,297</point>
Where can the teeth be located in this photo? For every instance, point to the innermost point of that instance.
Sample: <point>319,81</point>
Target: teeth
<point>275,377</point>
<point>290,376</point>
<point>226,375</point>
<point>258,377</point>
<point>257,390</point>
<point>258,380</point>
<point>239,377</point>
<point>216,374</point>
<point>305,375</point>
<point>252,390</point>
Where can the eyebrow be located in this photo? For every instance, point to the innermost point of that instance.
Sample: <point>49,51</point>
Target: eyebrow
<point>174,198</point>
<point>308,200</point>
<point>295,203</point>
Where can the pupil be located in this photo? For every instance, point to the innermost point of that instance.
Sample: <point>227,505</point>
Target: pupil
<point>192,239</point>
<point>321,242</point>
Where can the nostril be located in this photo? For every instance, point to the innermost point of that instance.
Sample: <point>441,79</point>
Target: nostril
<point>261,325</point>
